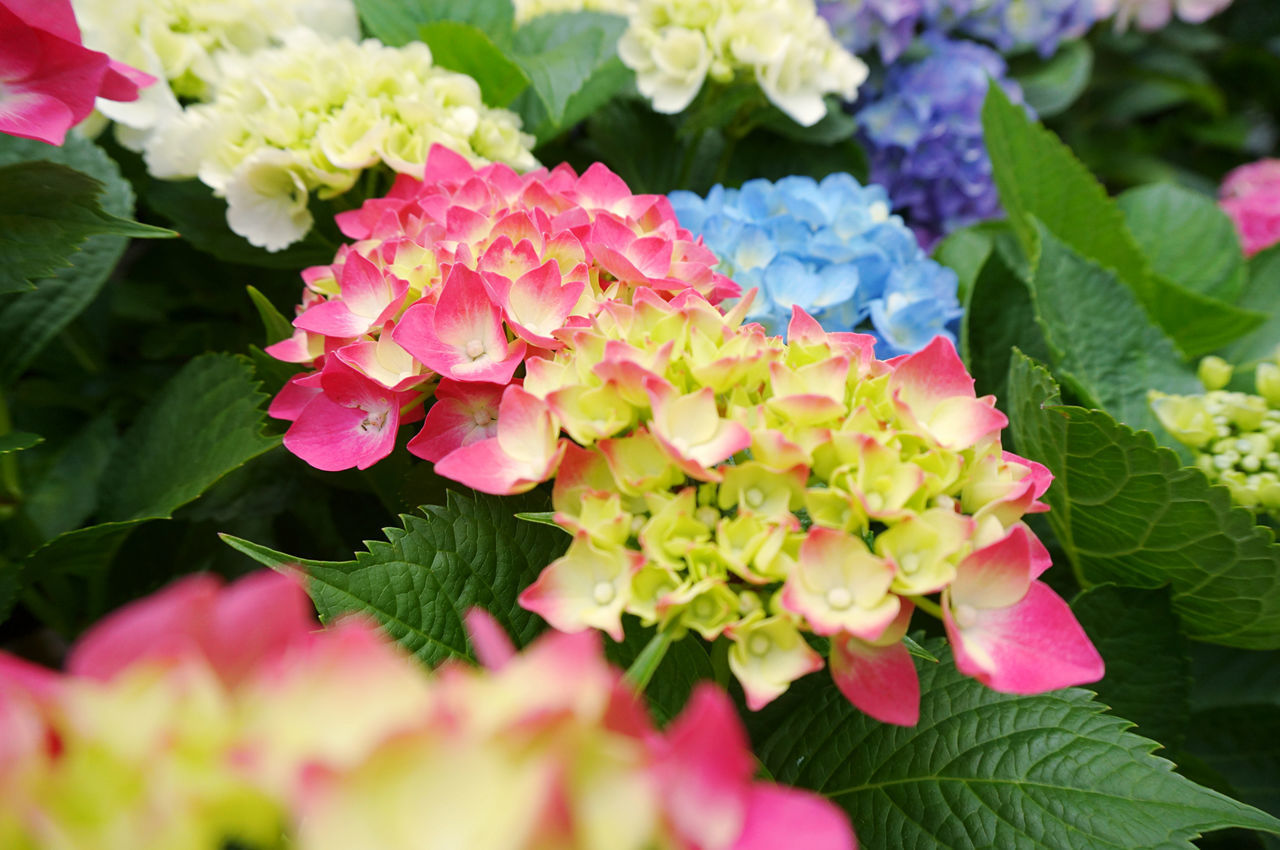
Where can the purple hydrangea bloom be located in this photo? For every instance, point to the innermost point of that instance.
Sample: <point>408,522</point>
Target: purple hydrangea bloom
<point>923,131</point>
<point>888,25</point>
<point>1014,25</point>
<point>834,249</point>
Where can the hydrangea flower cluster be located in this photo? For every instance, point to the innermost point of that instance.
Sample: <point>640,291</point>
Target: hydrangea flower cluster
<point>1235,436</point>
<point>831,248</point>
<point>180,43</point>
<point>923,130</point>
<point>312,115</point>
<point>716,479</point>
<point>48,78</point>
<point>452,284</point>
<point>1250,194</point>
<point>784,45</point>
<point>1156,14</point>
<point>1015,25</point>
<point>205,714</point>
<point>1011,25</point>
<point>527,10</point>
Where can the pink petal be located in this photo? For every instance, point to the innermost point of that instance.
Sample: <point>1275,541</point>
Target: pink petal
<point>538,304</point>
<point>166,626</point>
<point>929,376</point>
<point>1034,646</point>
<point>960,423</point>
<point>492,645</point>
<point>879,681</point>
<point>997,575</point>
<point>600,187</point>
<point>334,319</point>
<point>256,618</point>
<point>445,166</point>
<point>122,82</point>
<point>53,16</point>
<point>705,774</point>
<point>353,423</point>
<point>778,817</point>
<point>465,412</point>
<point>484,466</point>
<point>294,396</point>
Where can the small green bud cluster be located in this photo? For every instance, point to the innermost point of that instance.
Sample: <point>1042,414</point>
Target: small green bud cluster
<point>1235,435</point>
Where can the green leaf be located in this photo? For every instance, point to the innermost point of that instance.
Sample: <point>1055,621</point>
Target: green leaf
<point>29,320</point>
<point>46,211</point>
<point>1127,512</point>
<point>468,50</point>
<point>836,126</point>
<point>1242,743</point>
<point>1103,344</point>
<point>1261,292</point>
<point>1188,238</point>
<point>1050,87</point>
<point>965,251</point>
<point>67,493</point>
<point>421,582</point>
<point>206,421</point>
<point>1039,178</point>
<point>561,53</point>
<point>1148,676</point>
<point>276,326</point>
<point>984,769</point>
<point>397,22</point>
<point>542,518</point>
<point>998,316</point>
<point>16,441</point>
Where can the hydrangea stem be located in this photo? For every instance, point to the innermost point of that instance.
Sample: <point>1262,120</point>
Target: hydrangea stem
<point>642,669</point>
<point>927,605</point>
<point>10,484</point>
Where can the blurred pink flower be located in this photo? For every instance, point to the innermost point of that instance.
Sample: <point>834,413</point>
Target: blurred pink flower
<point>48,79</point>
<point>1251,196</point>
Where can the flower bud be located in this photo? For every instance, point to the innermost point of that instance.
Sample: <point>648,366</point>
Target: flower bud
<point>1214,373</point>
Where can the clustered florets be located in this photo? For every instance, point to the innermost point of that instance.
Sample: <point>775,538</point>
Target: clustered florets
<point>204,715</point>
<point>452,284</point>
<point>674,46</point>
<point>833,249</point>
<point>1235,435</point>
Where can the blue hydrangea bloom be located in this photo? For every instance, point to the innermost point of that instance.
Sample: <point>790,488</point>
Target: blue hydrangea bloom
<point>1011,25</point>
<point>831,247</point>
<point>1014,25</point>
<point>923,131</point>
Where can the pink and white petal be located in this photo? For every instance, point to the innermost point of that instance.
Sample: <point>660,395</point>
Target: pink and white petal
<point>446,166</point>
<point>778,816</point>
<point>166,626</point>
<point>600,187</point>
<point>333,319</point>
<point>528,430</point>
<point>538,304</point>
<point>997,575</point>
<point>929,376</point>
<point>457,419</point>
<point>705,771</point>
<point>332,436</point>
<point>880,681</point>
<point>32,115</point>
<point>484,466</point>
<point>492,645</point>
<point>960,423</point>
<point>1034,646</point>
<point>257,618</point>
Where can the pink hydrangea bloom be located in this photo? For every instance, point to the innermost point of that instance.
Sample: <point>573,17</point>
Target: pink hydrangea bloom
<point>48,79</point>
<point>1251,196</point>
<point>206,712</point>
<point>458,279</point>
<point>722,481</point>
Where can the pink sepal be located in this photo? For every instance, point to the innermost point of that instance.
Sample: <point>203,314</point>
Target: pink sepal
<point>493,648</point>
<point>778,816</point>
<point>464,412</point>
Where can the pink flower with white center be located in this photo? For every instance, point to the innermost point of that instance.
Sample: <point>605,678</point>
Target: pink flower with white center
<point>351,422</point>
<point>691,430</point>
<point>525,452</point>
<point>1250,195</point>
<point>935,388</point>
<point>368,298</point>
<point>838,586</point>
<point>48,79</point>
<point>537,303</point>
<point>461,336</point>
<point>464,412</point>
<point>1009,630</point>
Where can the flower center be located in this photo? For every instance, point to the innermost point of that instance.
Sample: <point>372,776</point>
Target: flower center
<point>759,645</point>
<point>603,593</point>
<point>482,417</point>
<point>910,562</point>
<point>839,598</point>
<point>374,421</point>
<point>475,349</point>
<point>754,497</point>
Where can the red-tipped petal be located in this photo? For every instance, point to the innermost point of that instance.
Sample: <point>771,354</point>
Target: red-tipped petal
<point>879,681</point>
<point>778,816</point>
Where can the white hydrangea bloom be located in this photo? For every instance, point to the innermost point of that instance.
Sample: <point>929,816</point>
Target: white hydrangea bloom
<point>181,42</point>
<point>674,45</point>
<point>527,10</point>
<point>311,115</point>
<point>1156,14</point>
